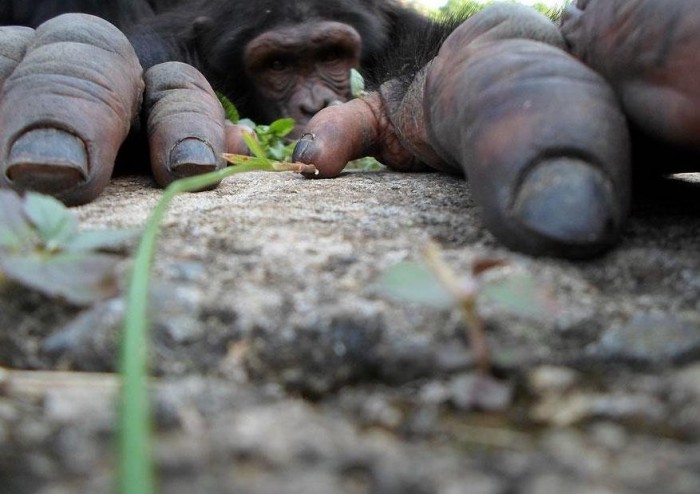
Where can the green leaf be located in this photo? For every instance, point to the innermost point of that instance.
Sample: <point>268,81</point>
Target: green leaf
<point>79,278</point>
<point>281,127</point>
<point>16,233</point>
<point>254,146</point>
<point>277,151</point>
<point>518,294</point>
<point>229,108</point>
<point>414,282</point>
<point>54,221</point>
<point>100,240</point>
<point>357,83</point>
<point>366,164</point>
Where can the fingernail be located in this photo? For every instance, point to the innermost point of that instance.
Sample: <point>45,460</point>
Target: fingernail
<point>570,203</point>
<point>304,146</point>
<point>192,156</point>
<point>46,160</point>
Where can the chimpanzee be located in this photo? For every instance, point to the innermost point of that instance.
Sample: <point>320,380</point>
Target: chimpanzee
<point>535,116</point>
<point>271,58</point>
<point>33,13</point>
<point>278,59</point>
<point>541,134</point>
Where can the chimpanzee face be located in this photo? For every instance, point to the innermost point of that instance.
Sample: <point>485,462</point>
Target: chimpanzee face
<point>301,69</point>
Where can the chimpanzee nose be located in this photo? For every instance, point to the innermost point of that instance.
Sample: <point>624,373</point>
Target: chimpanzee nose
<point>311,106</point>
<point>315,102</point>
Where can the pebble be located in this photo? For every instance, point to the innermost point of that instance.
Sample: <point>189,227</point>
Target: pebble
<point>474,391</point>
<point>652,338</point>
<point>551,379</point>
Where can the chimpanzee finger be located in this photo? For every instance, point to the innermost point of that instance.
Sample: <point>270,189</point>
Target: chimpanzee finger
<point>13,44</point>
<point>235,144</point>
<point>337,135</point>
<point>185,122</point>
<point>67,107</point>
<point>542,140</point>
<point>341,133</point>
<point>649,52</point>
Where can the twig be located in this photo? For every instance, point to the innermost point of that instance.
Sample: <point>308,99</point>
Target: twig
<point>278,166</point>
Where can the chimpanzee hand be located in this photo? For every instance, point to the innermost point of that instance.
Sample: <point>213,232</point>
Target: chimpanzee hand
<point>649,51</point>
<point>71,91</point>
<point>539,135</point>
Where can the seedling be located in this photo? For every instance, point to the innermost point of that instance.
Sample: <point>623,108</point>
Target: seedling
<point>433,283</point>
<point>271,139</point>
<point>42,248</point>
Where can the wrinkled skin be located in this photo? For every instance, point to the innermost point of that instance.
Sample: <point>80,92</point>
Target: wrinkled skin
<point>301,69</point>
<point>272,59</point>
<point>649,51</point>
<point>539,135</point>
<point>536,117</point>
<point>71,91</point>
<point>277,59</point>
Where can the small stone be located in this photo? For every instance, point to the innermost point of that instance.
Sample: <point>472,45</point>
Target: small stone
<point>687,380</point>
<point>610,435</point>
<point>72,405</point>
<point>474,391</point>
<point>475,483</point>
<point>574,408</point>
<point>379,411</point>
<point>434,393</point>
<point>550,483</point>
<point>551,379</point>
<point>650,338</point>
<point>8,411</point>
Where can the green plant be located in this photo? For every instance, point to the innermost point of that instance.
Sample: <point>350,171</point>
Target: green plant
<point>357,84</point>
<point>366,164</point>
<point>270,139</point>
<point>229,108</point>
<point>134,438</point>
<point>465,8</point>
<point>42,248</point>
<point>433,283</point>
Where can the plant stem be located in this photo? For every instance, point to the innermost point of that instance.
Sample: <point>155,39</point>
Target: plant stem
<point>136,475</point>
<point>477,335</point>
<point>466,299</point>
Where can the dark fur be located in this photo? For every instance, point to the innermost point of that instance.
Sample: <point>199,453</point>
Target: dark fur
<point>212,35</point>
<point>419,45</point>
<point>121,13</point>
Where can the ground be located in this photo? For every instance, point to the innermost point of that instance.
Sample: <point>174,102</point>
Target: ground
<point>279,367</point>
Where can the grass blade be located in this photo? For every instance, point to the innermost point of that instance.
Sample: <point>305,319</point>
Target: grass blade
<point>136,473</point>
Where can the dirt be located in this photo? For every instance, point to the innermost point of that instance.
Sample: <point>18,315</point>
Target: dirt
<point>280,367</point>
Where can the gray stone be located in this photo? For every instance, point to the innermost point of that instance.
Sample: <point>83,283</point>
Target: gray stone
<point>653,338</point>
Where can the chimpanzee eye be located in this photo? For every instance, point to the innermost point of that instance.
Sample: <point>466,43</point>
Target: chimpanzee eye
<point>329,55</point>
<point>278,64</point>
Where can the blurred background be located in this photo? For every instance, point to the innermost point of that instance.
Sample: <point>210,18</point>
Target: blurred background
<point>446,6</point>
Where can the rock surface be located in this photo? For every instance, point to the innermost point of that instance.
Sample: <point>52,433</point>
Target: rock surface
<point>281,368</point>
